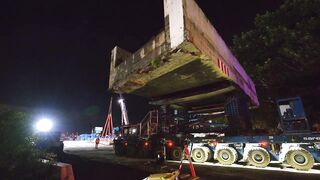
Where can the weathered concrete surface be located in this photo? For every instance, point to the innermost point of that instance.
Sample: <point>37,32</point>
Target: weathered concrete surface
<point>187,54</point>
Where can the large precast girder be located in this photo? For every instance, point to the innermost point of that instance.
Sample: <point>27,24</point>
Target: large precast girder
<point>188,54</point>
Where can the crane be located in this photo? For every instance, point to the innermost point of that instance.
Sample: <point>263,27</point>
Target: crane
<point>124,114</point>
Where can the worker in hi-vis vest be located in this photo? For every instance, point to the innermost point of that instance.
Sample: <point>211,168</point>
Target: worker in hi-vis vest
<point>97,142</point>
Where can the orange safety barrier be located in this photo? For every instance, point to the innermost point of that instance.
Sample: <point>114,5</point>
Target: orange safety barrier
<point>186,153</point>
<point>66,172</point>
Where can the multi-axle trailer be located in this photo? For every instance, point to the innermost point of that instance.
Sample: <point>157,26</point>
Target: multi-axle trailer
<point>297,145</point>
<point>298,151</point>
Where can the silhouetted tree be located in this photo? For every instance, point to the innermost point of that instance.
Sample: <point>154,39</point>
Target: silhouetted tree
<point>19,157</point>
<point>282,54</point>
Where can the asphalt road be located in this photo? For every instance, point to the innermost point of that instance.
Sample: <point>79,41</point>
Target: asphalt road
<point>90,163</point>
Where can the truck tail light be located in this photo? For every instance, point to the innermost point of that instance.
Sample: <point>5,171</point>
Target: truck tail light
<point>146,144</point>
<point>170,144</point>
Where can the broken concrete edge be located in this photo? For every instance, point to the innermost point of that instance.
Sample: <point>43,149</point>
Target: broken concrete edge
<point>193,98</point>
<point>185,53</point>
<point>203,34</point>
<point>184,22</point>
<point>138,61</point>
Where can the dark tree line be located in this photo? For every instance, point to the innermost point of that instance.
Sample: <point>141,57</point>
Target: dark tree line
<point>282,55</point>
<point>19,157</point>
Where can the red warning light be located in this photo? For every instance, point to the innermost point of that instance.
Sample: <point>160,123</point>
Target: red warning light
<point>146,143</point>
<point>126,143</point>
<point>169,143</point>
<point>264,144</point>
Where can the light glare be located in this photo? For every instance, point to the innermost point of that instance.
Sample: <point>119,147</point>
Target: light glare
<point>120,100</point>
<point>44,125</point>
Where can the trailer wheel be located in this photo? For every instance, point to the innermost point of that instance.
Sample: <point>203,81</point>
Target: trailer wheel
<point>118,149</point>
<point>200,155</point>
<point>143,152</point>
<point>227,156</point>
<point>300,159</point>
<point>258,157</point>
<point>132,151</point>
<point>176,153</point>
<point>209,153</point>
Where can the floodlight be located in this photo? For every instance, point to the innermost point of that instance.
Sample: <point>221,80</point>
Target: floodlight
<point>44,125</point>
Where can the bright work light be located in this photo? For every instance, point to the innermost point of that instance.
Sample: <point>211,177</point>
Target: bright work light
<point>44,125</point>
<point>120,100</point>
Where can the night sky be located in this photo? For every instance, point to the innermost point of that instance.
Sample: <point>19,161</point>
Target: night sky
<point>55,54</point>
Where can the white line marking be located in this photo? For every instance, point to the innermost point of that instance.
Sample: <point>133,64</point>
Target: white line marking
<point>311,171</point>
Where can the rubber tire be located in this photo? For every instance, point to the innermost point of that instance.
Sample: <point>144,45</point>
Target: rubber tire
<point>300,151</point>
<point>209,153</point>
<point>132,150</point>
<point>233,155</point>
<point>144,152</point>
<point>204,156</point>
<point>118,149</point>
<point>258,151</point>
<point>176,153</point>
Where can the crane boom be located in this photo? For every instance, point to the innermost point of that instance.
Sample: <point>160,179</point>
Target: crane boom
<point>124,114</point>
